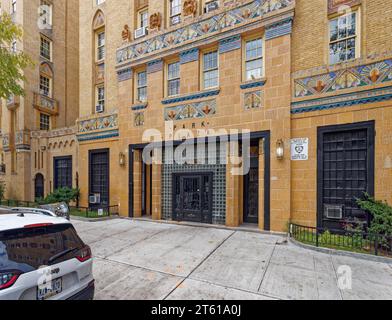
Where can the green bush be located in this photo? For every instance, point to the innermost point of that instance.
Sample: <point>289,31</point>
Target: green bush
<point>381,213</point>
<point>2,190</point>
<point>60,195</point>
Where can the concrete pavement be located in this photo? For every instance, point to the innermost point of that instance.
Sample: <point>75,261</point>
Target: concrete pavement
<point>148,260</point>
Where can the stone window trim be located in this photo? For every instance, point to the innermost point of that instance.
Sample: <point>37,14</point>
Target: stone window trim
<point>250,64</point>
<point>207,70</point>
<point>173,78</point>
<point>356,11</point>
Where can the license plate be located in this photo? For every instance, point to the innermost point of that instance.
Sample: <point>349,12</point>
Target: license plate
<point>50,289</point>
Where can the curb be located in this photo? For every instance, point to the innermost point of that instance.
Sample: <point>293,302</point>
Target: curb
<point>341,253</point>
<point>93,219</point>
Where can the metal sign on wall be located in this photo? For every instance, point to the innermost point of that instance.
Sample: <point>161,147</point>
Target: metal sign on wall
<point>300,149</point>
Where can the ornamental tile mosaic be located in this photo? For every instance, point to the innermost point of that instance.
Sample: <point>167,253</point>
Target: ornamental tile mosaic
<point>139,119</point>
<point>197,110</point>
<point>192,32</point>
<point>253,100</point>
<point>101,123</point>
<point>371,74</point>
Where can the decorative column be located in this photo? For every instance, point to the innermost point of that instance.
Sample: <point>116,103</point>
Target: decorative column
<point>261,183</point>
<point>156,191</point>
<point>137,187</point>
<point>232,186</point>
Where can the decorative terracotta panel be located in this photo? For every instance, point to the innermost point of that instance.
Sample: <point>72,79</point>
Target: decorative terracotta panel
<point>334,5</point>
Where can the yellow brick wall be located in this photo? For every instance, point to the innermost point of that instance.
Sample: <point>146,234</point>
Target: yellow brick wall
<point>310,33</point>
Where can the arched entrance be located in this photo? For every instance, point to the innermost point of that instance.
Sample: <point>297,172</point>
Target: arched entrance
<point>39,186</point>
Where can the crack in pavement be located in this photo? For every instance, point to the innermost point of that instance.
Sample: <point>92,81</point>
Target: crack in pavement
<point>203,260</point>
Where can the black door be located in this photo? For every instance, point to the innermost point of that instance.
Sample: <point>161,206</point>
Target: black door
<point>251,195</point>
<point>99,176</point>
<point>39,186</point>
<point>192,197</point>
<point>345,173</point>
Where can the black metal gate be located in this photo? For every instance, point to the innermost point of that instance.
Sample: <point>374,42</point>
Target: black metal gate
<point>99,176</point>
<point>345,173</point>
<point>192,197</point>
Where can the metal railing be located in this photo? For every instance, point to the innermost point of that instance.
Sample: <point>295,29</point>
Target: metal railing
<point>18,203</point>
<point>360,242</point>
<point>95,212</point>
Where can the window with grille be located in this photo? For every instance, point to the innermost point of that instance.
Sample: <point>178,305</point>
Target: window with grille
<point>254,59</point>
<point>210,70</point>
<point>45,48</point>
<point>99,174</point>
<point>44,86</point>
<point>343,38</point>
<point>44,122</point>
<point>142,86</point>
<point>63,172</point>
<point>101,46</point>
<point>175,12</point>
<point>173,79</point>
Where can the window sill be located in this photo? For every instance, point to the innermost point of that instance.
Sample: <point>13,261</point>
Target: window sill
<point>193,96</point>
<point>253,84</point>
<point>139,106</point>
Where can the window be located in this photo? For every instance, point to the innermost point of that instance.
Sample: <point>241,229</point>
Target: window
<point>175,11</point>
<point>343,38</point>
<point>100,99</point>
<point>210,70</point>
<point>13,46</point>
<point>143,19</point>
<point>99,176</point>
<point>13,6</point>
<point>44,122</point>
<point>62,172</point>
<point>45,13</point>
<point>100,46</point>
<point>45,48</point>
<point>210,5</point>
<point>173,78</point>
<point>253,59</point>
<point>142,86</point>
<point>44,86</point>
<point>99,2</point>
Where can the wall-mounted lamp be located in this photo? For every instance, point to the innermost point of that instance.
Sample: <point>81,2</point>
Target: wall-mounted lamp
<point>280,149</point>
<point>122,159</point>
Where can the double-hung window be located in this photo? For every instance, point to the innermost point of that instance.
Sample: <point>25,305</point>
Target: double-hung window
<point>100,99</point>
<point>210,70</point>
<point>45,48</point>
<point>175,12</point>
<point>44,122</point>
<point>254,59</point>
<point>343,38</point>
<point>143,19</point>
<point>142,86</point>
<point>44,86</point>
<point>173,79</point>
<point>101,46</point>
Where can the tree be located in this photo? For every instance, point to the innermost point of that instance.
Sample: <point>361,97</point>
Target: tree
<point>12,62</point>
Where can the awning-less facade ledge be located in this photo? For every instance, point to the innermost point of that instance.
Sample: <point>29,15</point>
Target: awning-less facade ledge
<point>225,24</point>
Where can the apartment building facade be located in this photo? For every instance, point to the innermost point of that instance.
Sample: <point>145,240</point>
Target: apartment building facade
<point>234,111</point>
<point>39,146</point>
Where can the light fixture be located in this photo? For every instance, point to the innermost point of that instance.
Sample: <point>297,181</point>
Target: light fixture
<point>122,159</point>
<point>280,149</point>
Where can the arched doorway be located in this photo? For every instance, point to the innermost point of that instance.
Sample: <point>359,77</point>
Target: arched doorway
<point>39,186</point>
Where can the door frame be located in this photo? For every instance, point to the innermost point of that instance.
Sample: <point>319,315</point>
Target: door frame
<point>200,175</point>
<point>371,133</point>
<point>90,154</point>
<point>266,135</point>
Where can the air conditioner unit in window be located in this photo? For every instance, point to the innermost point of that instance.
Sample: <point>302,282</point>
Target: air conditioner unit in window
<point>99,108</point>
<point>333,211</point>
<point>211,6</point>
<point>141,32</point>
<point>95,199</point>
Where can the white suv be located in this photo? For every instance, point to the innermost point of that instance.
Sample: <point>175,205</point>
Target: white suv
<point>43,258</point>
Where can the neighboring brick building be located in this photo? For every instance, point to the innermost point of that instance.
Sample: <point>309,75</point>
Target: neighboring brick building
<point>38,128</point>
<point>306,83</point>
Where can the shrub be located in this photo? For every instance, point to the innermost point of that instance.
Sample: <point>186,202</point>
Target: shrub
<point>381,213</point>
<point>61,195</point>
<point>2,190</point>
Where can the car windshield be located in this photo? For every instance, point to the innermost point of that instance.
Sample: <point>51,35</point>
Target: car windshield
<point>29,249</point>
